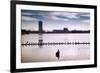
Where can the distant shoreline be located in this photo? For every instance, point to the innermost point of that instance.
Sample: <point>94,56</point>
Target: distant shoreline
<point>54,32</point>
<point>58,33</point>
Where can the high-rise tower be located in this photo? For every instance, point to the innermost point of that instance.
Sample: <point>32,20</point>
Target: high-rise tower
<point>40,26</point>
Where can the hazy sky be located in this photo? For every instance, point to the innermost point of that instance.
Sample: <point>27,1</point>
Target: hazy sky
<point>55,20</point>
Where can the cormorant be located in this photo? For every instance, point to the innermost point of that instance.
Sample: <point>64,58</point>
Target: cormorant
<point>58,54</point>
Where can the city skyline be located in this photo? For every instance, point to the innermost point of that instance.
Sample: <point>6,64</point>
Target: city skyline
<point>41,30</point>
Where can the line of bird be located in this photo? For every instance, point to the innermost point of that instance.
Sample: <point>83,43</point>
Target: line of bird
<point>57,43</point>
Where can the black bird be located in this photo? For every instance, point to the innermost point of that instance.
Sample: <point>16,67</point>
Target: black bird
<point>58,54</point>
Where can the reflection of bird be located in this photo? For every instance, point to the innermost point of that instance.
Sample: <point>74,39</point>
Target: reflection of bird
<point>58,54</point>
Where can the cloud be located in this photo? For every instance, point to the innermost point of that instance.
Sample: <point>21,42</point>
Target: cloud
<point>84,16</point>
<point>26,14</point>
<point>28,19</point>
<point>56,16</point>
<point>65,14</point>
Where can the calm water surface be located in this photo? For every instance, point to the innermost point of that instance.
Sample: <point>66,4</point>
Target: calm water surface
<point>45,53</point>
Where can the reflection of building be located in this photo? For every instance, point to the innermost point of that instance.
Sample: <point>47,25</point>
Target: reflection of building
<point>40,41</point>
<point>40,26</point>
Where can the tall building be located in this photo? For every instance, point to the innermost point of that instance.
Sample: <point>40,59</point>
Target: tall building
<point>40,26</point>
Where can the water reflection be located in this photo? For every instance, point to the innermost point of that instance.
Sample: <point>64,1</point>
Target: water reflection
<point>52,47</point>
<point>40,41</point>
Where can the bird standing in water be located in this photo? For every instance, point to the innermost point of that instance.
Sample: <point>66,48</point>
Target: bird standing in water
<point>58,54</point>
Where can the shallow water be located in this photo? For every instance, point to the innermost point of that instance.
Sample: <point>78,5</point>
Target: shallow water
<point>45,53</point>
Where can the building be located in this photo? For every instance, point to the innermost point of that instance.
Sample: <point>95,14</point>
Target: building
<point>40,26</point>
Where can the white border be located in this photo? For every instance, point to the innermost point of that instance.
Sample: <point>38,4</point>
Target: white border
<point>20,65</point>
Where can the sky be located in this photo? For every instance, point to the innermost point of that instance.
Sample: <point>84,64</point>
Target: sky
<point>55,20</point>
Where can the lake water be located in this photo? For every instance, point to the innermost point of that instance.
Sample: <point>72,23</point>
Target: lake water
<point>45,53</point>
